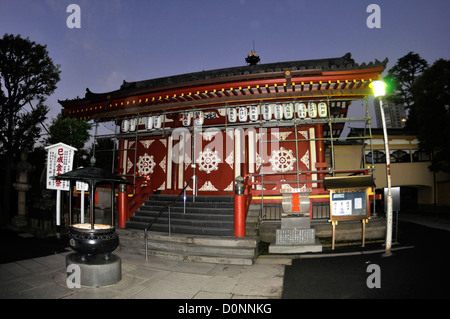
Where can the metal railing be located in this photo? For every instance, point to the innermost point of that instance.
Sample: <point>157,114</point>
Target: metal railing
<point>167,207</point>
<point>273,211</point>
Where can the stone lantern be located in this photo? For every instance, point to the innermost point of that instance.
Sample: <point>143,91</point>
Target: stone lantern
<point>22,186</point>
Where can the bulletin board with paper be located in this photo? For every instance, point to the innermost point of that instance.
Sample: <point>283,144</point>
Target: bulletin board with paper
<point>349,204</point>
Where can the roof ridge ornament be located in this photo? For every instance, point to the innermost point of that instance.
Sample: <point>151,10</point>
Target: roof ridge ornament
<point>253,57</point>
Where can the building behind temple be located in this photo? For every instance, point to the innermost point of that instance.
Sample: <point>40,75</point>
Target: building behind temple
<point>395,114</point>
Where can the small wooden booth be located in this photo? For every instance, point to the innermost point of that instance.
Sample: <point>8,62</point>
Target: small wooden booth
<point>349,200</point>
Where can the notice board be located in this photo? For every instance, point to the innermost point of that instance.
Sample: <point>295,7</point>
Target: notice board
<point>349,204</point>
<point>349,197</point>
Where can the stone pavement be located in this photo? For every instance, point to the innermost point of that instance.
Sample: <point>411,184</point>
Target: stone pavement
<point>156,278</point>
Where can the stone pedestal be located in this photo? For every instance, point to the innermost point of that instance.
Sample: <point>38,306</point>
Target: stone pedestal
<point>95,270</point>
<point>295,236</point>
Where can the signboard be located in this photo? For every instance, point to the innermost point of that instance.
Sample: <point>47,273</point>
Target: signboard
<point>395,193</point>
<point>349,204</point>
<point>81,186</point>
<point>59,161</point>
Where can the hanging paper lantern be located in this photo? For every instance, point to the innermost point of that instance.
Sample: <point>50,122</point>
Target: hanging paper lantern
<point>322,109</point>
<point>243,113</point>
<point>301,110</point>
<point>157,121</point>
<point>148,122</point>
<point>232,115</point>
<point>279,109</point>
<point>125,125</point>
<point>186,119</point>
<point>267,112</point>
<point>132,125</point>
<point>312,110</point>
<point>288,111</point>
<point>254,113</point>
<point>198,118</point>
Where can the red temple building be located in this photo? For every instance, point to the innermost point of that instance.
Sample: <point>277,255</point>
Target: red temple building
<point>273,124</point>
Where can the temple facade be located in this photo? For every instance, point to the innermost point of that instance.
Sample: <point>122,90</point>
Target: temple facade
<point>273,124</point>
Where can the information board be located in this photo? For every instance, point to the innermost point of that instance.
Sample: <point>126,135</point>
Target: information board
<point>59,161</point>
<point>349,204</point>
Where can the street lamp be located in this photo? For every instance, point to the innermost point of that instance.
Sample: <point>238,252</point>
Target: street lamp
<point>379,90</point>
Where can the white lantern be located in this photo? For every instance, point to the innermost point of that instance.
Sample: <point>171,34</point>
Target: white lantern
<point>254,113</point>
<point>267,112</point>
<point>232,115</point>
<point>198,118</point>
<point>125,126</point>
<point>132,125</point>
<point>149,122</point>
<point>157,121</point>
<point>322,109</point>
<point>289,111</point>
<point>186,118</point>
<point>243,113</point>
<point>279,109</point>
<point>301,111</point>
<point>312,110</point>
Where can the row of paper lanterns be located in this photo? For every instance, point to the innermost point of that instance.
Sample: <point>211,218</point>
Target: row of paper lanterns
<point>279,111</point>
<point>243,114</point>
<point>151,122</point>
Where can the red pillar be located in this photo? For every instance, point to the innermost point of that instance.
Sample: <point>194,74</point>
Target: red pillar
<point>239,215</point>
<point>320,145</point>
<point>320,152</point>
<point>120,169</point>
<point>122,203</point>
<point>239,208</point>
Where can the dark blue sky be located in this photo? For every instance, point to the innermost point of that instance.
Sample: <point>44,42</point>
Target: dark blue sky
<point>136,39</point>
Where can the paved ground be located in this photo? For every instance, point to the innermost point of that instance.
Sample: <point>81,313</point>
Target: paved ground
<point>156,278</point>
<point>418,269</point>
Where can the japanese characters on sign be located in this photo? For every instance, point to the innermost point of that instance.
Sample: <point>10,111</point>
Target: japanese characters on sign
<point>349,204</point>
<point>59,161</point>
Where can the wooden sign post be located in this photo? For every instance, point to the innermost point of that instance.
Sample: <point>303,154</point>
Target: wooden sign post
<point>59,161</point>
<point>349,200</point>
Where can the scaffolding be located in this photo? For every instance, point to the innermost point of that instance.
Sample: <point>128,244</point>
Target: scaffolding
<point>334,118</point>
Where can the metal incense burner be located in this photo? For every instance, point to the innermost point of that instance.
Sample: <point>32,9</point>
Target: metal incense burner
<point>94,243</point>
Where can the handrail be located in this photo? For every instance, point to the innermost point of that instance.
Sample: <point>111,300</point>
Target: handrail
<point>162,211</point>
<point>138,196</point>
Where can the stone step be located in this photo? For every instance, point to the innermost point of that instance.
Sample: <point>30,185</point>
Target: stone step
<point>208,215</point>
<point>211,249</point>
<point>189,199</point>
<point>181,222</point>
<point>182,229</point>
<point>189,209</point>
<point>181,215</point>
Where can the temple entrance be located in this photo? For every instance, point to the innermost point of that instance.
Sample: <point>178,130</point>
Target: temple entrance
<point>207,154</point>
<point>146,158</point>
<point>282,155</point>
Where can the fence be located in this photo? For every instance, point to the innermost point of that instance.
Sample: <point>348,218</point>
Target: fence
<point>273,211</point>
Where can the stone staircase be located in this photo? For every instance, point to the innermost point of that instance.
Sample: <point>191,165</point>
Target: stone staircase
<point>204,232</point>
<point>199,248</point>
<point>208,215</point>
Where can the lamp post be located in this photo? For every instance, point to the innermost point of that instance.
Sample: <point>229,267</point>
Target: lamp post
<point>379,90</point>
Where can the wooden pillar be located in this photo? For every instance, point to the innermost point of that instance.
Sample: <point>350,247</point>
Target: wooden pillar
<point>320,152</point>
